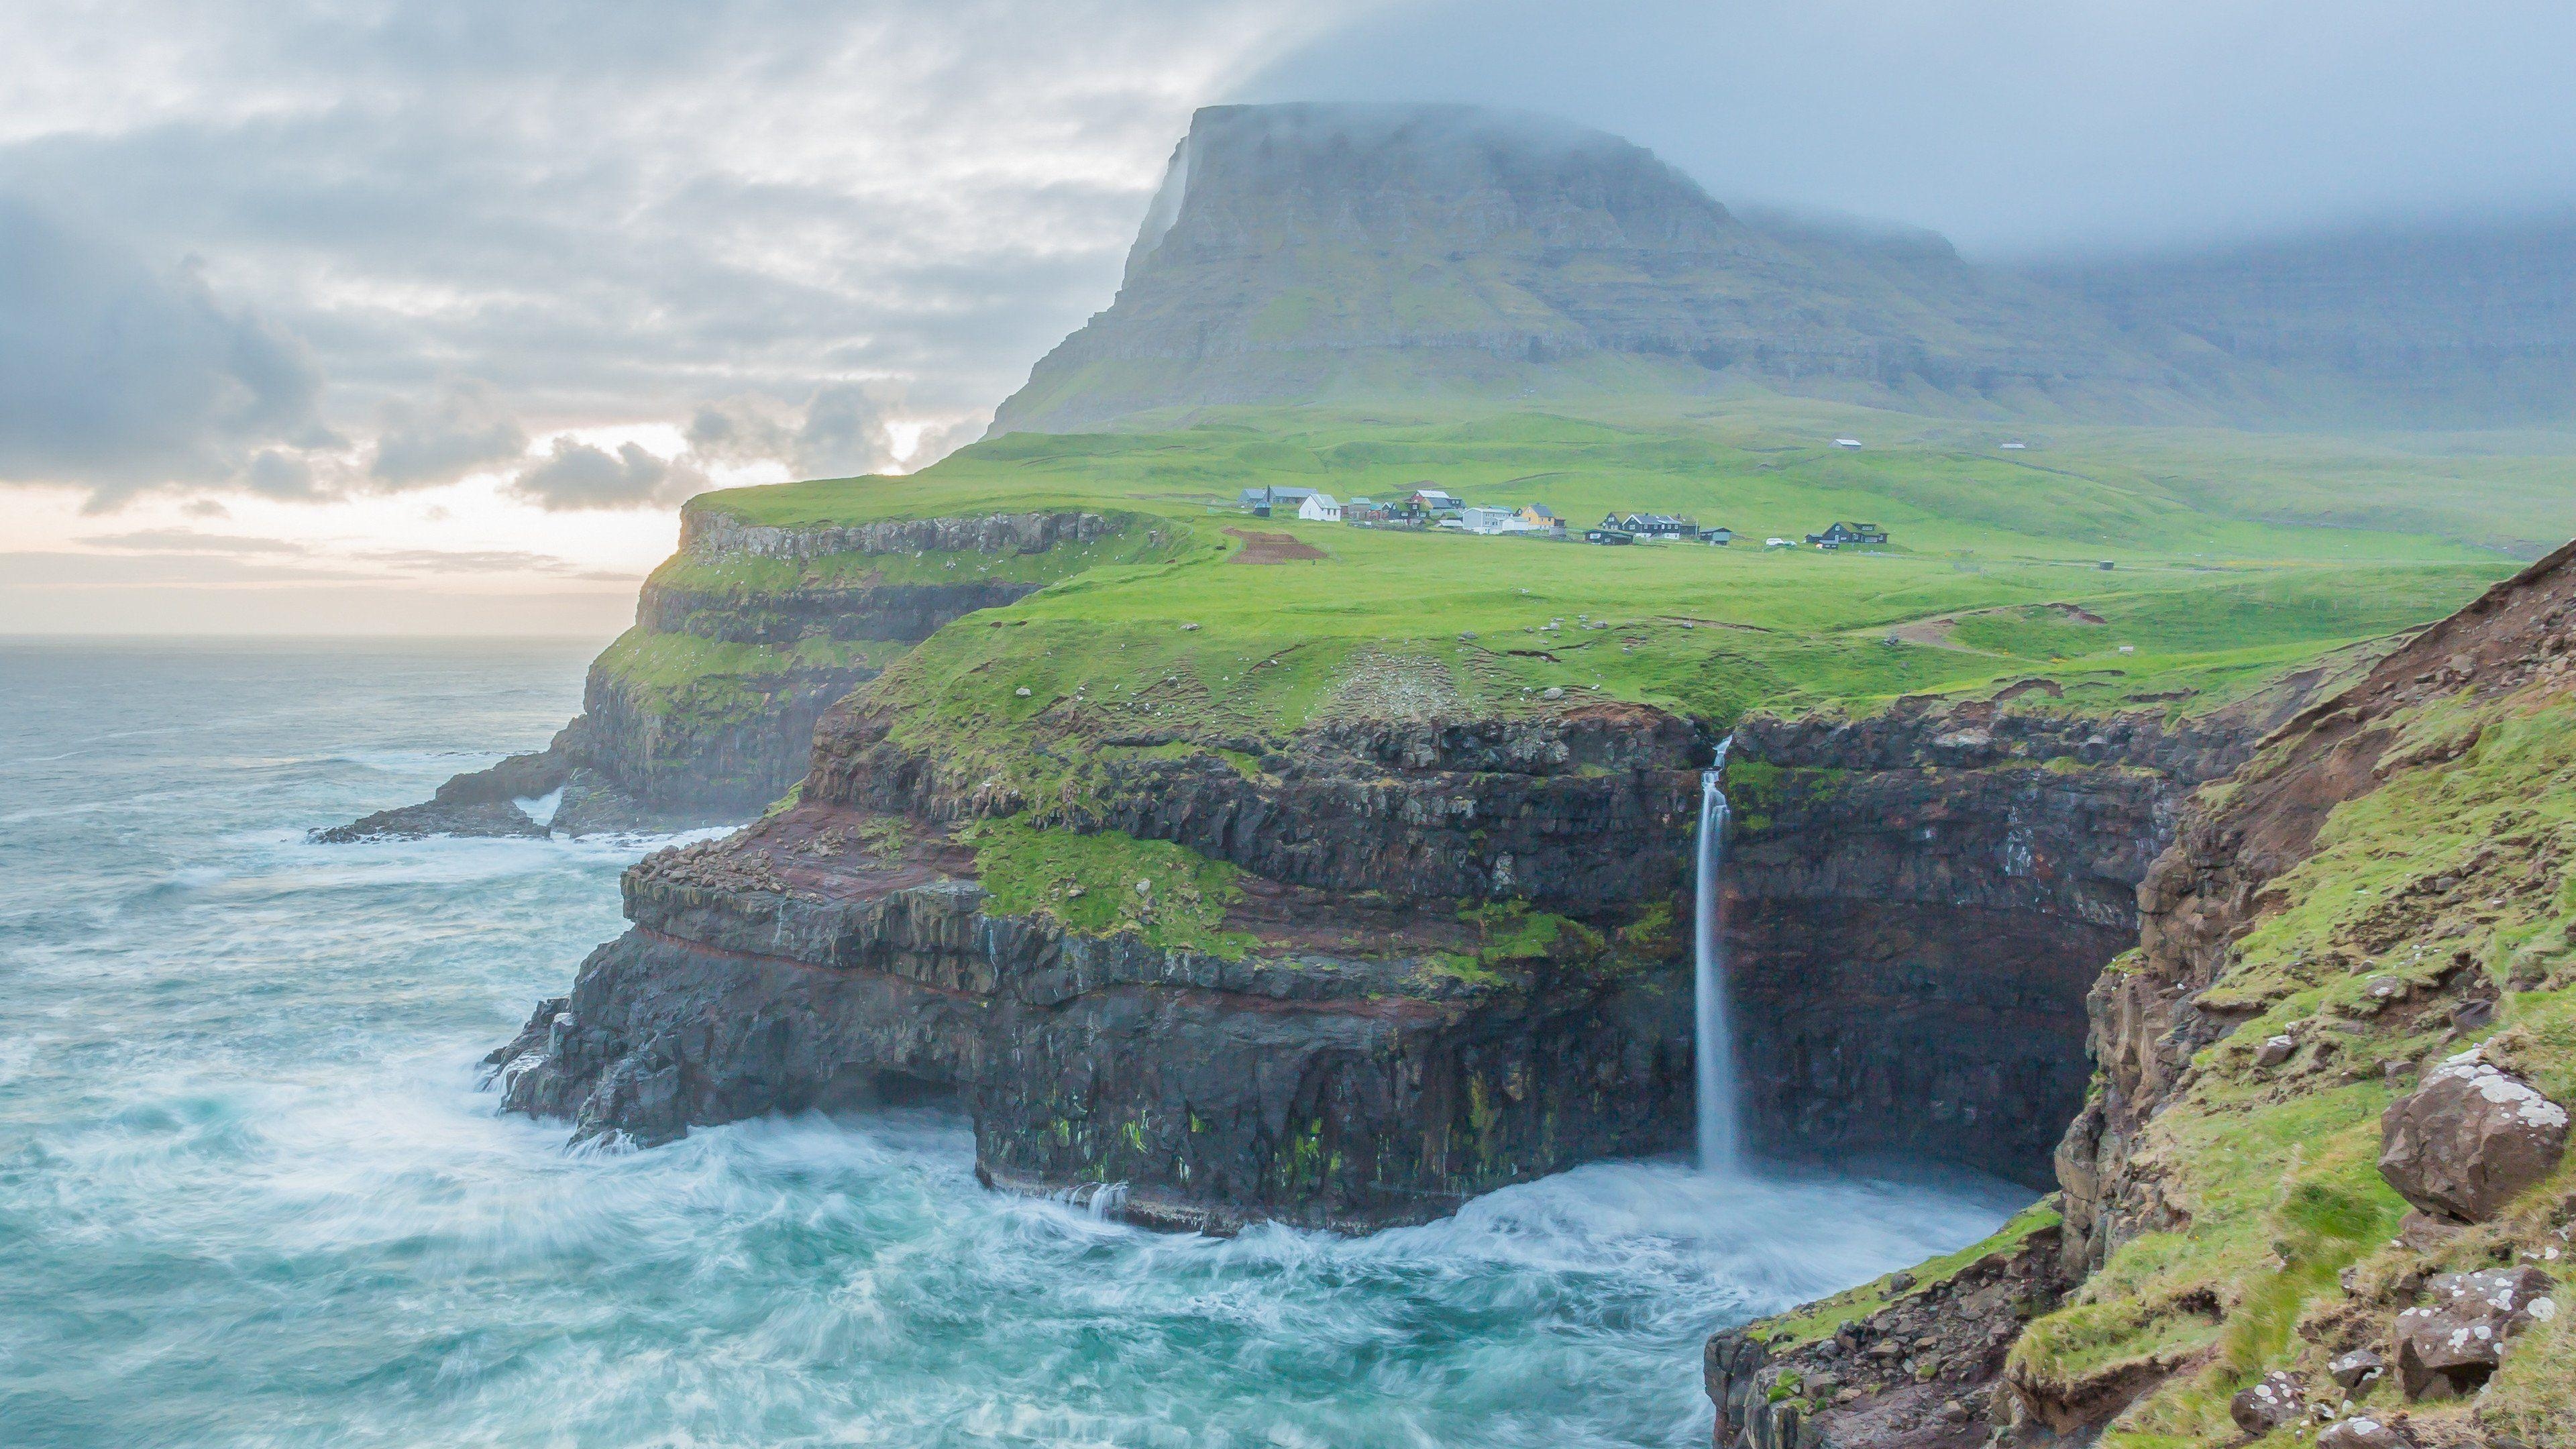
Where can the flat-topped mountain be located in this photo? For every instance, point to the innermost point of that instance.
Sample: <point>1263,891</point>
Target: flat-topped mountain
<point>1327,253</point>
<point>1311,252</point>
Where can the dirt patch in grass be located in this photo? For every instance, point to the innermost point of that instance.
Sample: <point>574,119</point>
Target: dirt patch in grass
<point>1271,548</point>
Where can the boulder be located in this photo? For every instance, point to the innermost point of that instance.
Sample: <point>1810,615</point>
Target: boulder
<point>2469,1139</point>
<point>2354,1369</point>
<point>2268,1404</point>
<point>2363,1432</point>
<point>2275,1051</point>
<point>2453,1345</point>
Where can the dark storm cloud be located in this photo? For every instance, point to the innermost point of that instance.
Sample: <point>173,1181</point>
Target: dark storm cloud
<point>2021,124</point>
<point>118,376</point>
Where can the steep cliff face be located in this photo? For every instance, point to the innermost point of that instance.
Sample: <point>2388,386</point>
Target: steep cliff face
<point>2378,890</point>
<point>1306,252</point>
<point>1917,902</point>
<point>1580,811</point>
<point>705,711</point>
<point>1224,1046</point>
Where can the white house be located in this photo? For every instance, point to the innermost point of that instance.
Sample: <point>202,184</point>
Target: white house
<point>1486,520</point>
<point>1846,442</point>
<point>1320,508</point>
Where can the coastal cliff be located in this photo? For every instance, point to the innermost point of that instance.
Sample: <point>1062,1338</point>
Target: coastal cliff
<point>2318,1189</point>
<point>1217,1046</point>
<point>703,713</point>
<point>1356,974</point>
<point>1916,903</point>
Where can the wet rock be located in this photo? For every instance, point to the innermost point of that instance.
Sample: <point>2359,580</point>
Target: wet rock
<point>2266,1405</point>
<point>2469,1139</point>
<point>415,822</point>
<point>2452,1346</point>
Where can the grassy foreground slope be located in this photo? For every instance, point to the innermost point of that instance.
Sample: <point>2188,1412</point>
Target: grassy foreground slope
<point>1993,573</point>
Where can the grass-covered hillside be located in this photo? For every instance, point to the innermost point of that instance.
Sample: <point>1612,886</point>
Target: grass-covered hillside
<point>2225,572</point>
<point>2435,915</point>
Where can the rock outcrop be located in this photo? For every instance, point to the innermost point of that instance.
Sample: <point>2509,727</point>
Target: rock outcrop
<point>1915,1372</point>
<point>2470,1139</point>
<point>2204,893</point>
<point>2449,1347</point>
<point>2304,947</point>
<point>1344,1062</point>
<point>673,735</point>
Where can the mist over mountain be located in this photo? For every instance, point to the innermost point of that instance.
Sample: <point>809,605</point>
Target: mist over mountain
<point>1304,253</point>
<point>2457,323</point>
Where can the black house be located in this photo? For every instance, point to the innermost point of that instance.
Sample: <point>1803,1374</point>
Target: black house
<point>1660,525</point>
<point>1843,533</point>
<point>1608,535</point>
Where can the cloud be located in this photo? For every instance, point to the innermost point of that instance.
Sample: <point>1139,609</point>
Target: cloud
<point>119,377</point>
<point>577,475</point>
<point>46,569</point>
<point>844,433</point>
<point>276,473</point>
<point>737,430</point>
<point>188,540</point>
<point>606,213</point>
<point>2018,125</point>
<point>476,561</point>
<point>464,429</point>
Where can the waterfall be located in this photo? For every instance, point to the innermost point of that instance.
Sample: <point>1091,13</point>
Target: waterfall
<point>1715,1056</point>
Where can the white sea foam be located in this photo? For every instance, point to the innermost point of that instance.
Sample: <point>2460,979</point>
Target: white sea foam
<point>259,1200</point>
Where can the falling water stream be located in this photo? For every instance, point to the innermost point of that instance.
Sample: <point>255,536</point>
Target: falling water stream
<point>250,1197</point>
<point>1715,1055</point>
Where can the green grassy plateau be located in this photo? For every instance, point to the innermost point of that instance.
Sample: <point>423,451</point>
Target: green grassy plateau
<point>2235,557</point>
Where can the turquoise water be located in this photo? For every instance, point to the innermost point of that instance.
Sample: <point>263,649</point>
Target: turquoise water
<point>250,1194</point>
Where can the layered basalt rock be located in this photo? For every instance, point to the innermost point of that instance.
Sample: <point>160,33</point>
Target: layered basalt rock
<point>634,760</point>
<point>1336,1073</point>
<point>1916,904</point>
<point>1577,811</point>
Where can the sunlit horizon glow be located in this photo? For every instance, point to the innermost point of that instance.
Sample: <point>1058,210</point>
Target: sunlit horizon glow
<point>389,280</point>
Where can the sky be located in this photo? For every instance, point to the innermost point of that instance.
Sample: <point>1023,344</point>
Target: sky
<point>422,316</point>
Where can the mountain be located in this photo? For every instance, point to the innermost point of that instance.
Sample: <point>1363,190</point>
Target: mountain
<point>2442,323</point>
<point>1333,253</point>
<point>1305,252</point>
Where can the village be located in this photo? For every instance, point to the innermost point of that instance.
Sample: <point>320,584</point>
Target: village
<point>1428,508</point>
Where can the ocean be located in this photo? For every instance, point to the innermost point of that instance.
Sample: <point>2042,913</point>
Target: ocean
<point>253,1194</point>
